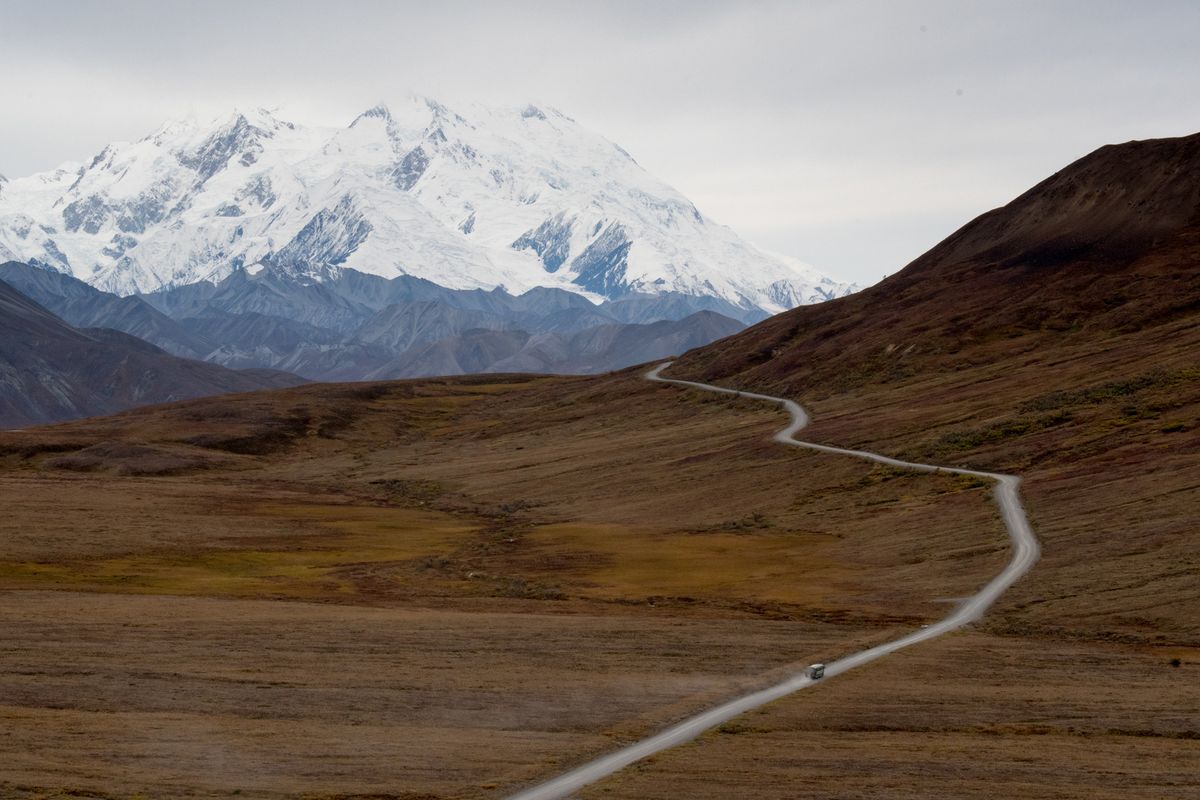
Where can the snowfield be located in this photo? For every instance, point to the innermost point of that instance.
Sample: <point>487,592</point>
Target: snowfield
<point>472,198</point>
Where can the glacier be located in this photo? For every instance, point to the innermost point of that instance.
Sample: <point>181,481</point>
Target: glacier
<point>475,197</point>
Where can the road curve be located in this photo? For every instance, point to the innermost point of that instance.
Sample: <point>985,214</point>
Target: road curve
<point>1025,553</point>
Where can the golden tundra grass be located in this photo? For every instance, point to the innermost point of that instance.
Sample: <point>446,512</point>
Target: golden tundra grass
<point>448,588</point>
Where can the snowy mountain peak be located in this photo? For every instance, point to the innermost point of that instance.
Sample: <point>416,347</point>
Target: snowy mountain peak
<point>475,197</point>
<point>378,111</point>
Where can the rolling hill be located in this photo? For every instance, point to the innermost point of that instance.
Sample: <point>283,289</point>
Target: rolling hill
<point>1106,247</point>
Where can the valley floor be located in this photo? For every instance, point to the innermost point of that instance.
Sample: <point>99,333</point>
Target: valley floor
<point>970,715</point>
<point>196,697</point>
<point>450,589</point>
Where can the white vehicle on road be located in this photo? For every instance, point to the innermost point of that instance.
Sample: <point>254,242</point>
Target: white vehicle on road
<point>815,671</point>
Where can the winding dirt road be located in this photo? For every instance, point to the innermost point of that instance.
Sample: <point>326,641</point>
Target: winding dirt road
<point>1025,554</point>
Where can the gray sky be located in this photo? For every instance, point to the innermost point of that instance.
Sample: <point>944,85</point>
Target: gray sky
<point>852,135</point>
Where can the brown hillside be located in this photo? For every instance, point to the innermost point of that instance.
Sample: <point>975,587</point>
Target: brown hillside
<point>1058,338</point>
<point>1110,245</point>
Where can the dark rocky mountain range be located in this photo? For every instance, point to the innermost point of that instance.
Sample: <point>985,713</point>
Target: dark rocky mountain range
<point>51,371</point>
<point>354,326</point>
<point>597,349</point>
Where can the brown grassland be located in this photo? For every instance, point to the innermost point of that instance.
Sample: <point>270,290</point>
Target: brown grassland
<point>453,588</point>
<point>482,581</point>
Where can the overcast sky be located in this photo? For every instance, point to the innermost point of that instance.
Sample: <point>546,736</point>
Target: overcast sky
<point>851,135</point>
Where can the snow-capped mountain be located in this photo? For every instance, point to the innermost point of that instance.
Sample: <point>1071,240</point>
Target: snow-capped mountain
<point>477,198</point>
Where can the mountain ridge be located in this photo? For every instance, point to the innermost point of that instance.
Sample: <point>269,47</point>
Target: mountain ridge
<point>51,371</point>
<point>481,198</point>
<point>358,327</point>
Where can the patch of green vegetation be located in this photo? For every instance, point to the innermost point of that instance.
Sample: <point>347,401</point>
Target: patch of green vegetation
<point>965,483</point>
<point>1135,413</point>
<point>882,368</point>
<point>882,473</point>
<point>961,441</point>
<point>1108,392</point>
